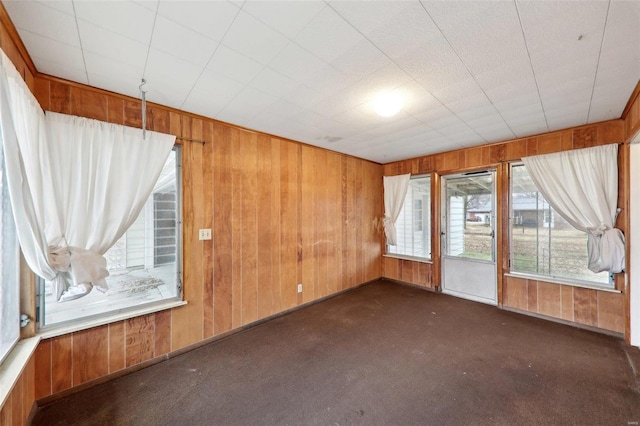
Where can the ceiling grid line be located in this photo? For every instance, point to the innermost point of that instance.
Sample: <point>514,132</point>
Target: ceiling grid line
<point>210,58</point>
<point>84,60</point>
<point>468,70</point>
<point>595,75</point>
<point>412,78</point>
<point>146,61</point>
<point>535,79</point>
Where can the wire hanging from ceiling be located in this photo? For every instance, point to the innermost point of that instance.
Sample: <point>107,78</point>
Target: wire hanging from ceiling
<point>144,108</point>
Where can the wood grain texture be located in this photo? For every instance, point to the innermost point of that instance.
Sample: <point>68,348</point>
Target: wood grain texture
<point>42,359</point>
<point>61,363</point>
<point>93,363</point>
<point>140,343</point>
<point>116,346</point>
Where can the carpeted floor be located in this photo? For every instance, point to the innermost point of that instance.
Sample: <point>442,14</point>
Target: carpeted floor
<point>383,354</point>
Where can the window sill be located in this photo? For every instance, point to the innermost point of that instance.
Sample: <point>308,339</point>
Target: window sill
<point>560,281</point>
<point>55,331</point>
<point>412,258</point>
<point>14,364</point>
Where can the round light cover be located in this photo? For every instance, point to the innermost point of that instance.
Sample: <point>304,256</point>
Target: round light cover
<point>387,104</point>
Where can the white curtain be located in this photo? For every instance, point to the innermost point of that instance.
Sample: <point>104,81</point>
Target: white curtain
<point>582,186</point>
<point>76,185</point>
<point>395,190</point>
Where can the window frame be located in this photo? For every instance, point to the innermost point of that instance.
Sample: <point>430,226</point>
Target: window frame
<point>548,215</point>
<point>12,259</point>
<point>425,225</point>
<point>124,312</point>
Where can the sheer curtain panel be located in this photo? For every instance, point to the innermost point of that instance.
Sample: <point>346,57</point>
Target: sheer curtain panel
<point>582,186</point>
<point>76,185</point>
<point>395,189</point>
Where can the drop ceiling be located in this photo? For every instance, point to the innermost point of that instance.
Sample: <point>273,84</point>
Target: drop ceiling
<point>470,72</point>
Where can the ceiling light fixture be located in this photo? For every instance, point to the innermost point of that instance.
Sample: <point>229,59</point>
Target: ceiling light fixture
<point>388,104</point>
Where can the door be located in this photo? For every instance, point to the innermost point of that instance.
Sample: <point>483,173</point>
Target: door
<point>468,236</point>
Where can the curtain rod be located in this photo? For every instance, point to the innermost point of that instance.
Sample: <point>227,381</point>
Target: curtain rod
<point>182,138</point>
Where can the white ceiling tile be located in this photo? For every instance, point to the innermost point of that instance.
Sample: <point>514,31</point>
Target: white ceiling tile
<point>555,23</point>
<point>286,17</point>
<point>161,72</point>
<point>64,6</point>
<point>458,91</point>
<point>285,109</point>
<point>209,18</point>
<point>254,39</point>
<point>212,93</point>
<point>272,82</point>
<point>360,60</point>
<point>248,104</point>
<point>109,74</point>
<point>450,16</point>
<point>58,69</point>
<point>182,42</point>
<point>151,5</point>
<point>479,48</point>
<point>40,19</point>
<point>234,65</point>
<point>303,96</point>
<point>308,71</point>
<point>122,17</point>
<point>328,36</point>
<point>45,49</point>
<point>114,46</point>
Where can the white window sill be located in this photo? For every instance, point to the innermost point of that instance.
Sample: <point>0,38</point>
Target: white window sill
<point>55,331</point>
<point>561,282</point>
<point>13,366</point>
<point>404,257</point>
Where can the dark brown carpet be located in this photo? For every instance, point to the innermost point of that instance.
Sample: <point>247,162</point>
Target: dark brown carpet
<point>383,354</point>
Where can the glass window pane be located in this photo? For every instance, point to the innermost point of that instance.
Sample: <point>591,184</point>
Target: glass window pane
<point>469,227</point>
<point>413,226</point>
<point>542,242</point>
<point>143,265</point>
<point>9,271</point>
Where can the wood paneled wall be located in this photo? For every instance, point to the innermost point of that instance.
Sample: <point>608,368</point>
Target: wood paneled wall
<point>588,307</point>
<point>20,401</point>
<point>281,212</point>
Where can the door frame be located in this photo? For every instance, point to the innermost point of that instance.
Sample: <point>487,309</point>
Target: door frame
<point>495,231</point>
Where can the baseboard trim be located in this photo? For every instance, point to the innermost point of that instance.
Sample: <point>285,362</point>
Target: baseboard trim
<point>564,322</point>
<point>156,360</point>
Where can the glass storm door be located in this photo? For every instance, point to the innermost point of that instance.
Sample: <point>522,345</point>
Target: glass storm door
<point>468,236</point>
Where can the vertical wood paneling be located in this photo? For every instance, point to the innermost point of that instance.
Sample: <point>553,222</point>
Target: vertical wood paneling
<point>16,403</point>
<point>265,278</point>
<point>334,223</point>
<point>276,223</point>
<point>585,306</point>
<point>43,367</point>
<point>89,365</point>
<point>236,229</point>
<point>249,236</point>
<point>116,346</point>
<point>89,104</point>
<point>289,223</point>
<point>610,305</point>
<point>140,344</point>
<point>208,190</point>
<point>61,363</point>
<point>549,301</point>
<point>222,233</point>
<point>162,332</point>
<point>307,221</point>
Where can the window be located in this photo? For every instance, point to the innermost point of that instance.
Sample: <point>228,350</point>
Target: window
<point>542,242</point>
<point>413,226</point>
<point>144,265</point>
<point>9,271</point>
